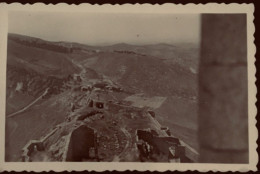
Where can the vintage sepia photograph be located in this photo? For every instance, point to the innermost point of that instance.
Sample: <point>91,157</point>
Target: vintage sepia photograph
<point>86,86</point>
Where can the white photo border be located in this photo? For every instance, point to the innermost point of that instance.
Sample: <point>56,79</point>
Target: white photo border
<point>130,8</point>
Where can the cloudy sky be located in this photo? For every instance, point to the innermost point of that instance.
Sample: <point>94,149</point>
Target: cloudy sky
<point>107,29</point>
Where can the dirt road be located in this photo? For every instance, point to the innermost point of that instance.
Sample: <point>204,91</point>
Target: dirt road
<point>29,105</point>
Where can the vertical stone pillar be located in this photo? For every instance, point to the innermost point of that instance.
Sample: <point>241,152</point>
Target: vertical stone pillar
<point>223,110</point>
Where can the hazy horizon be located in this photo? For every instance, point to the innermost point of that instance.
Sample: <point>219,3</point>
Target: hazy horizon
<point>107,29</point>
<point>104,45</point>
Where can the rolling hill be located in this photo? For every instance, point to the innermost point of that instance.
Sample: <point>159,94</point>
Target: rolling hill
<point>31,69</point>
<point>184,54</point>
<point>161,70</point>
<point>148,74</point>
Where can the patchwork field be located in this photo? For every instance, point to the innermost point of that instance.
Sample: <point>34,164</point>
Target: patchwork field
<point>140,101</point>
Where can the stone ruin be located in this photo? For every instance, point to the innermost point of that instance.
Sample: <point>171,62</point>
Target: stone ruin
<point>97,104</point>
<point>29,148</point>
<point>86,88</point>
<point>34,146</point>
<point>82,145</point>
<point>153,147</point>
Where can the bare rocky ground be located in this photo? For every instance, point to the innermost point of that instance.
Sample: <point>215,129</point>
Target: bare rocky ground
<point>134,79</point>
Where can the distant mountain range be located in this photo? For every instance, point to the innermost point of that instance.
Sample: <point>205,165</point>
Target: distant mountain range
<point>159,69</point>
<point>34,65</point>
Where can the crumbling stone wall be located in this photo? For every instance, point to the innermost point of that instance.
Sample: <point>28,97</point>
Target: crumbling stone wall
<point>81,140</point>
<point>97,104</point>
<point>30,147</point>
<point>150,144</point>
<point>223,113</point>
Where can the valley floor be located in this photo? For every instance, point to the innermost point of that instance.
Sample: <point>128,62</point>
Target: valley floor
<point>114,92</point>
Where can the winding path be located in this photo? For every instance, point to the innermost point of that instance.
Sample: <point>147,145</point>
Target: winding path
<point>128,143</point>
<point>29,105</point>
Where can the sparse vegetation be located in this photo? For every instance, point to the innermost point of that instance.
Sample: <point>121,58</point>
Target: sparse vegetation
<point>76,73</point>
